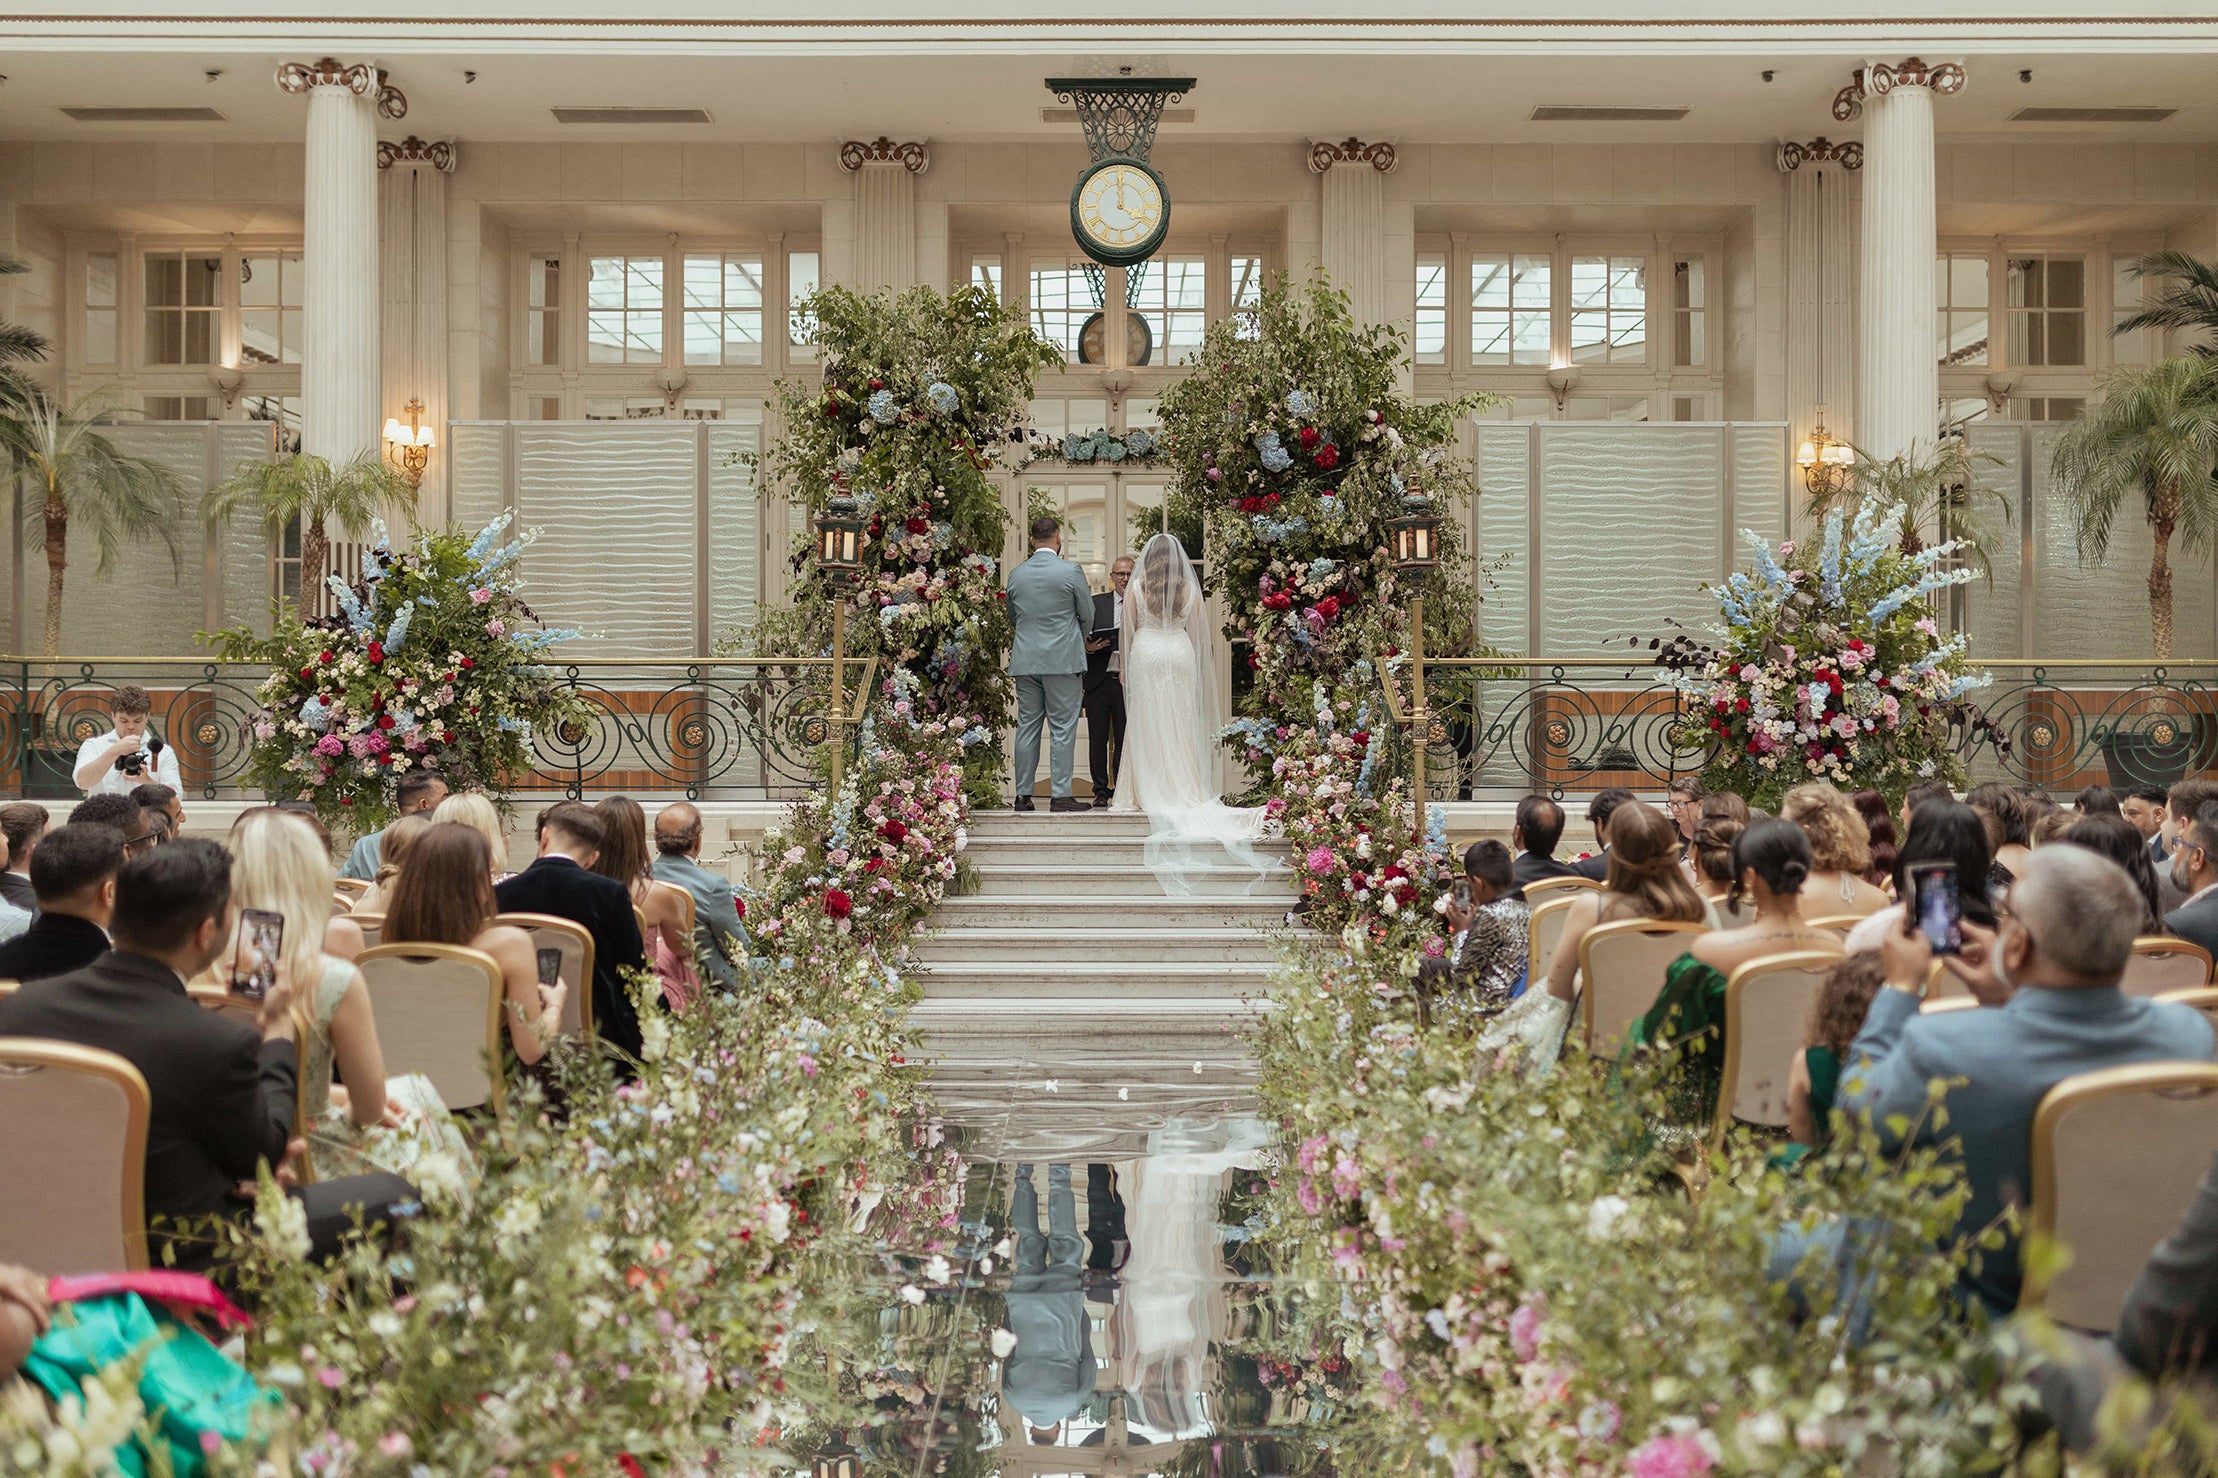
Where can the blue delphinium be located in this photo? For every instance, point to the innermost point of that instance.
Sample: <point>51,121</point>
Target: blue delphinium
<point>357,614</point>
<point>397,633</point>
<point>1436,830</point>
<point>943,397</point>
<point>486,538</point>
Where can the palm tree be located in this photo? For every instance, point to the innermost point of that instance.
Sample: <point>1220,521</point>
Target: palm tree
<point>2188,300</point>
<point>80,474</point>
<point>307,489</point>
<point>1939,491</point>
<point>2153,436</point>
<point>17,343</point>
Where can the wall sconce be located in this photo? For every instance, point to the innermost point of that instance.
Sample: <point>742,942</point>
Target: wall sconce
<point>1825,460</point>
<point>1562,380</point>
<point>2000,387</point>
<point>409,447</point>
<point>672,384</point>
<point>227,379</point>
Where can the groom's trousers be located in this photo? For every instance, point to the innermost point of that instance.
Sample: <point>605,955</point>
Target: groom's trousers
<point>1050,700</point>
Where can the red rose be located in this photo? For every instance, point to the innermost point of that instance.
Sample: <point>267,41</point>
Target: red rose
<point>326,657</point>
<point>1741,706</point>
<point>876,383</point>
<point>1361,739</point>
<point>385,721</point>
<point>1255,663</point>
<point>918,526</point>
<point>1251,505</point>
<point>1310,436</point>
<point>377,652</point>
<point>1328,456</point>
<point>468,663</point>
<point>1270,501</point>
<point>837,905</point>
<point>739,907</point>
<point>346,800</point>
<point>893,831</point>
<point>308,674</point>
<point>831,406</point>
<point>1277,600</point>
<point>875,865</point>
<point>1329,608</point>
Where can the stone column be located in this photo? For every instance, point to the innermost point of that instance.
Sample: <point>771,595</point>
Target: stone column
<point>1824,191</point>
<point>412,328</point>
<point>885,210</point>
<point>1898,399</point>
<point>1354,208</point>
<point>340,416</point>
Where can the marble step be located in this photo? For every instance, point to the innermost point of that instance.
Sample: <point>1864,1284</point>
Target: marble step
<point>1076,881</point>
<point>1266,911</point>
<point>1117,847</point>
<point>1094,984</point>
<point>1045,823</point>
<point>1127,947</point>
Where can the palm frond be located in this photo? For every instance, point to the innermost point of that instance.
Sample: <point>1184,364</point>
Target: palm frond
<point>307,487</point>
<point>1941,488</point>
<point>18,342</point>
<point>2155,429</point>
<point>116,497</point>
<point>2188,300</point>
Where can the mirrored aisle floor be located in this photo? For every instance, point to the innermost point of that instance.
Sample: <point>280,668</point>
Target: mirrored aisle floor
<point>1107,1199</point>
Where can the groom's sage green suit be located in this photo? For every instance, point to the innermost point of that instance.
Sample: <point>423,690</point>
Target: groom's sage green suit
<point>1050,604</point>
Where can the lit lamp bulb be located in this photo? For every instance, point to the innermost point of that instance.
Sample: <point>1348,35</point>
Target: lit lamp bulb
<point>1807,456</point>
<point>395,433</point>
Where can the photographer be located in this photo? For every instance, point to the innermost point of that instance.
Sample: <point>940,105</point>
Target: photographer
<point>118,762</point>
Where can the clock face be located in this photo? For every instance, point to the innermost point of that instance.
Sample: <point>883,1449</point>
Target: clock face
<point>1119,210</point>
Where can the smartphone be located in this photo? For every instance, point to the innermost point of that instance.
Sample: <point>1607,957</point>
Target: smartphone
<point>1940,906</point>
<point>261,941</point>
<point>550,966</point>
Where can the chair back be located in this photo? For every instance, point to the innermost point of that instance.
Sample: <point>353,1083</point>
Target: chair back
<point>350,888</point>
<point>1623,965</point>
<point>2118,1155</point>
<point>2161,964</point>
<point>1543,932</point>
<point>685,902</point>
<point>1767,1013</point>
<point>75,1155</point>
<point>1836,923</point>
<point>438,1009</point>
<point>2204,1000</point>
<point>1942,984</point>
<point>1541,890</point>
<point>567,935</point>
<point>372,926</point>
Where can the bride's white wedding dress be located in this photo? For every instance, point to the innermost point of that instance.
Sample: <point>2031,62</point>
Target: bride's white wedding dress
<point>1196,843</point>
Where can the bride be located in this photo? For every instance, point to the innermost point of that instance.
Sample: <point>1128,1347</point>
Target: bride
<point>1169,764</point>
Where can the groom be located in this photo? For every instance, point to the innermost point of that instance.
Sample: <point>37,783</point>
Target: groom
<point>1050,604</point>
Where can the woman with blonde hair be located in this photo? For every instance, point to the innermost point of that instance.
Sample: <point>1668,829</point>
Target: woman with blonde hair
<point>392,852</point>
<point>477,812</point>
<point>1840,852</point>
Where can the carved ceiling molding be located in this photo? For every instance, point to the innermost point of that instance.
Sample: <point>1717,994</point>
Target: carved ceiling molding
<point>1847,153</point>
<point>361,79</point>
<point>438,153</point>
<point>1323,155</point>
<point>912,156</point>
<point>1879,79</point>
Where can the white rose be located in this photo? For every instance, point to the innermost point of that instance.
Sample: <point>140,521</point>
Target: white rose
<point>1606,1216</point>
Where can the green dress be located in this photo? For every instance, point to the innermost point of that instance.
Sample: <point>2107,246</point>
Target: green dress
<point>1689,1015</point>
<point>1825,1085</point>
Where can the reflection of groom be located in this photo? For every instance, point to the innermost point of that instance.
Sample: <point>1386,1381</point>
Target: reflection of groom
<point>1050,606</point>
<point>1105,683</point>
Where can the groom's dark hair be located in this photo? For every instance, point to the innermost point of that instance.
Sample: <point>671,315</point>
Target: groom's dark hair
<point>1045,527</point>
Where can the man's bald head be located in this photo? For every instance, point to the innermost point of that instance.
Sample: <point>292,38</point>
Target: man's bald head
<point>678,829</point>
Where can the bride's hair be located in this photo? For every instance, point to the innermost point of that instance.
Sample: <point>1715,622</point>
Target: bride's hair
<point>1163,578</point>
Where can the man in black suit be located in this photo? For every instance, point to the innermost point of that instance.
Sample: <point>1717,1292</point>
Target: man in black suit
<point>23,823</point>
<point>1104,685</point>
<point>561,883</point>
<point>222,1091</point>
<point>1598,813</point>
<point>2194,869</point>
<point>74,873</point>
<point>1538,827</point>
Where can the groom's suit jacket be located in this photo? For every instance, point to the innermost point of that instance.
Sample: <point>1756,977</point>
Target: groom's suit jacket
<point>1050,605</point>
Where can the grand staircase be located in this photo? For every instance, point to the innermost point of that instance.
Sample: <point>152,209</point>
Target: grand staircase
<point>1070,943</point>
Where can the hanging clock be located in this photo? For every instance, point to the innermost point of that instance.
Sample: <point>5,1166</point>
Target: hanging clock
<point>1139,340</point>
<point>1119,211</point>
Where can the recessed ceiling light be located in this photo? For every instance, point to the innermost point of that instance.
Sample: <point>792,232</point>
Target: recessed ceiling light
<point>631,115</point>
<point>2092,115</point>
<point>1572,113</point>
<point>144,115</point>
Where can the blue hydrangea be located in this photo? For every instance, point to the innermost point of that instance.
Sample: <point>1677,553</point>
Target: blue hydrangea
<point>1113,449</point>
<point>1141,443</point>
<point>882,408</point>
<point>315,713</point>
<point>943,397</point>
<point>1300,403</point>
<point>1275,456</point>
<point>1078,448</point>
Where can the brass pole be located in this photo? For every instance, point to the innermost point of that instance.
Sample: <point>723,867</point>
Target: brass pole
<point>837,716</point>
<point>1420,716</point>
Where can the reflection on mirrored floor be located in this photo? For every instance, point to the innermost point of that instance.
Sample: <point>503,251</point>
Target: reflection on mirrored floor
<point>1091,1301</point>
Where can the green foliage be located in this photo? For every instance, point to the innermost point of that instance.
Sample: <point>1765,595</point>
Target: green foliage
<point>1938,490</point>
<point>307,490</point>
<point>2186,301</point>
<point>17,342</point>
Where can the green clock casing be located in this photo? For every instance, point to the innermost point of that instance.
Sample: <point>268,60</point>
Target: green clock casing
<point>1120,210</point>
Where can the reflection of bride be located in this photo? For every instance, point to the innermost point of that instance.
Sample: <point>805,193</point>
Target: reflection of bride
<point>1169,763</point>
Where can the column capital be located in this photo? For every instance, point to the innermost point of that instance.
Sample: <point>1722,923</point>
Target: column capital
<point>1848,154</point>
<point>1880,78</point>
<point>1323,155</point>
<point>912,156</point>
<point>361,79</point>
<point>439,154</point>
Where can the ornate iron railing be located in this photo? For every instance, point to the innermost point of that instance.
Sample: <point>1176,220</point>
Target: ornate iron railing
<point>747,729</point>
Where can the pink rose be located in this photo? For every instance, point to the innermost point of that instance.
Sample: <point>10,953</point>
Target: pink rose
<point>1320,860</point>
<point>1669,1456</point>
<point>1524,1328</point>
<point>480,596</point>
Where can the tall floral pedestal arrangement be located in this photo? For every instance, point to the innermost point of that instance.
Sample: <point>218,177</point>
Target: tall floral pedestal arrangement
<point>1831,666</point>
<point>1292,447</point>
<point>434,662</point>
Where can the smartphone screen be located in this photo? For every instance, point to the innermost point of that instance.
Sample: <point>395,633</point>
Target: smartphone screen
<point>261,940</point>
<point>1940,906</point>
<point>550,966</point>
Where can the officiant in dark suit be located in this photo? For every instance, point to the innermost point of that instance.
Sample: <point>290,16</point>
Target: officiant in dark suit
<point>1105,684</point>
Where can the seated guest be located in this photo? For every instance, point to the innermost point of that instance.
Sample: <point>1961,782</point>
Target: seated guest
<point>445,896</point>
<point>158,825</point>
<point>1713,864</point>
<point>1954,833</point>
<point>74,872</point>
<point>2052,824</point>
<point>624,859</point>
<point>2038,807</point>
<point>561,883</point>
<point>1840,852</point>
<point>417,790</point>
<point>118,811</point>
<point>1598,814</point>
<point>1771,865</point>
<point>720,938</point>
<point>2015,842</point>
<point>2188,797</point>
<point>2145,806</point>
<point>477,812</point>
<point>2049,977</point>
<point>22,823</point>
<point>1644,883</point>
<point>2194,869</point>
<point>154,796</point>
<point>13,920</point>
<point>1683,799</point>
<point>2096,800</point>
<point>392,853</point>
<point>1534,834</point>
<point>222,1091</point>
<point>1918,794</point>
<point>1879,824</point>
<point>24,1316</point>
<point>1488,947</point>
<point>2114,837</point>
<point>1836,1016</point>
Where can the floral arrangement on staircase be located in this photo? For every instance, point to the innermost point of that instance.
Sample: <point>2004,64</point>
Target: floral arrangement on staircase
<point>434,662</point>
<point>1831,665</point>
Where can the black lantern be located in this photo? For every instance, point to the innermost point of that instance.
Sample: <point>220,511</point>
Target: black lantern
<point>839,542</point>
<point>1414,536</point>
<point>835,1459</point>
